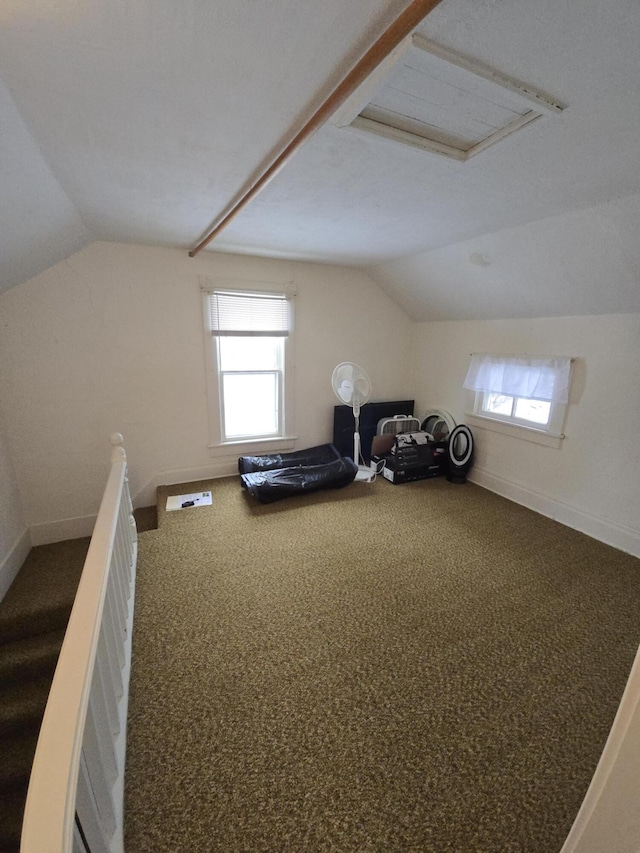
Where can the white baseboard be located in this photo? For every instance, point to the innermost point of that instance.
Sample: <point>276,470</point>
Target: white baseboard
<point>604,529</point>
<point>65,528</point>
<point>11,564</point>
<point>76,528</point>
<point>146,496</point>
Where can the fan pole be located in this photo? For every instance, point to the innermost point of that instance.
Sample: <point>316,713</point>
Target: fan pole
<point>364,474</point>
<point>356,440</point>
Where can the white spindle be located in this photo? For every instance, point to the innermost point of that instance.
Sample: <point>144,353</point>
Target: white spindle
<point>98,841</point>
<point>98,740</point>
<point>120,584</point>
<point>133,532</point>
<point>99,784</point>
<point>122,545</point>
<point>125,558</point>
<point>109,676</point>
<point>117,602</point>
<point>111,633</point>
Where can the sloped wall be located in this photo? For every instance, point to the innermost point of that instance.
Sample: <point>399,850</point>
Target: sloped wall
<point>580,262</point>
<point>38,223</point>
<point>112,340</point>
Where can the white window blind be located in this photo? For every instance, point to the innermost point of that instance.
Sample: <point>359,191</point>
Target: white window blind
<point>531,377</point>
<point>249,314</point>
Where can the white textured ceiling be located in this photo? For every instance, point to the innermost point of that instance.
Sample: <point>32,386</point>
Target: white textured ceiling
<point>140,121</point>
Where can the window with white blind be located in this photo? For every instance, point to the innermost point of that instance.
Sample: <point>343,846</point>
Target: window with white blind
<point>524,391</point>
<point>250,351</point>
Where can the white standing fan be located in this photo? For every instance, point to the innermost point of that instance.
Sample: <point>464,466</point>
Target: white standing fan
<point>353,387</point>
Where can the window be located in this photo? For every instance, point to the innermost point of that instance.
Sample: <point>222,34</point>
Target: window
<point>250,353</point>
<point>526,391</point>
<point>517,409</point>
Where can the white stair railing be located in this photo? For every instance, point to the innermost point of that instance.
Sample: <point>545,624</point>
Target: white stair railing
<point>75,797</point>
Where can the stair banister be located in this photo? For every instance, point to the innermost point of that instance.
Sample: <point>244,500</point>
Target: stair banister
<point>75,797</point>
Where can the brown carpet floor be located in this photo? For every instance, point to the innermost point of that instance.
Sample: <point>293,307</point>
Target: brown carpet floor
<point>424,667</point>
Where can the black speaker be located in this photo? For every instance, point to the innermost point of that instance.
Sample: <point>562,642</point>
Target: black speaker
<point>459,454</point>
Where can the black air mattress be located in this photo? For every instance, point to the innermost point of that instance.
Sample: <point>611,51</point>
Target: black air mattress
<point>320,455</point>
<point>278,483</point>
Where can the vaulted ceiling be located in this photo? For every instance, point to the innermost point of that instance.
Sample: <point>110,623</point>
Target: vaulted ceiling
<point>141,121</point>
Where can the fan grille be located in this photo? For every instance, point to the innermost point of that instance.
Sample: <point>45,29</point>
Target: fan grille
<point>351,384</point>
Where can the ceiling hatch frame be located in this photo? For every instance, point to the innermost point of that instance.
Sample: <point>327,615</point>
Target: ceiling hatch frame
<point>533,104</point>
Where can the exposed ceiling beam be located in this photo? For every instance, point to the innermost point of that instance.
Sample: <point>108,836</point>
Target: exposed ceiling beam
<point>416,12</point>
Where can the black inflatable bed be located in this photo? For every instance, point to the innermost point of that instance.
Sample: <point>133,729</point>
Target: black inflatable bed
<point>276,476</point>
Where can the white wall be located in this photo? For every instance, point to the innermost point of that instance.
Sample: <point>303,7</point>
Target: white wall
<point>38,222</point>
<point>112,340</point>
<point>14,533</point>
<point>591,482</point>
<point>580,262</point>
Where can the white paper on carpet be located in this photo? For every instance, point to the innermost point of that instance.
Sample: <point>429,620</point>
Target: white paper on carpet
<point>187,501</point>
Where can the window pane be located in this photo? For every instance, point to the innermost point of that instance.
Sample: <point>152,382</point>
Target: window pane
<point>497,404</point>
<point>250,353</point>
<point>250,404</point>
<point>535,411</point>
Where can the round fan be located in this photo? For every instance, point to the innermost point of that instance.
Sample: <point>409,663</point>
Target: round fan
<point>459,453</point>
<point>352,386</point>
<point>439,423</point>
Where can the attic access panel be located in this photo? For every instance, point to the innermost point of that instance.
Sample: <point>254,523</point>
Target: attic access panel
<point>432,98</point>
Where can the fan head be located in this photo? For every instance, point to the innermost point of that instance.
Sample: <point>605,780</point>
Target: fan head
<point>439,423</point>
<point>351,385</point>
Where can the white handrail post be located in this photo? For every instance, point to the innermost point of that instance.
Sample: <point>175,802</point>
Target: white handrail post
<point>117,444</point>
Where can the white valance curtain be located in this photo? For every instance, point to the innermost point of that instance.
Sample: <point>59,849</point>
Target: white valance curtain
<point>249,314</point>
<point>533,377</point>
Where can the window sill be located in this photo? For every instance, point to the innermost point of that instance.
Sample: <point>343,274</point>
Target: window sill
<point>256,445</point>
<point>524,433</point>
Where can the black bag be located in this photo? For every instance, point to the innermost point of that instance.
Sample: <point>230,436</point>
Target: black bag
<point>319,455</point>
<point>278,483</point>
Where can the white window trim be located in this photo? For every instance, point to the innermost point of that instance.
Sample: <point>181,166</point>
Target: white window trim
<point>514,430</point>
<point>257,445</point>
<point>548,437</point>
<point>216,444</point>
